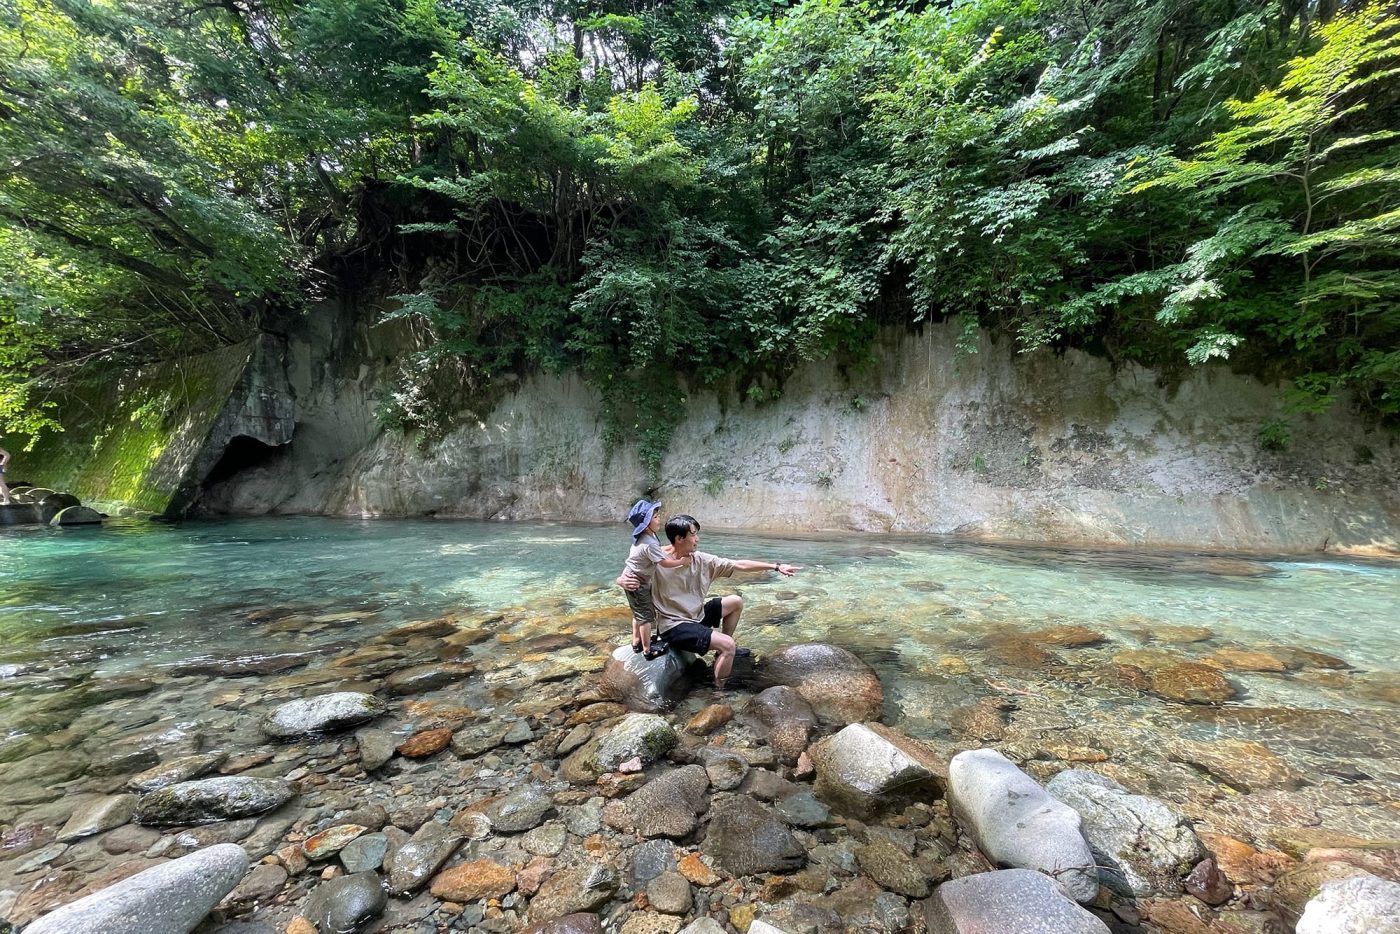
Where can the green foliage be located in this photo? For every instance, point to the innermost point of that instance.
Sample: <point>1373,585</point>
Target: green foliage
<point>1274,436</point>
<point>703,192</point>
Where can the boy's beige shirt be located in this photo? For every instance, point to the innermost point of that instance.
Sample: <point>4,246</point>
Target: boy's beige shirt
<point>679,593</point>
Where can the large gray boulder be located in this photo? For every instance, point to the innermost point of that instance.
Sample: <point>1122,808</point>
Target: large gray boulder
<point>868,768</point>
<point>1016,823</point>
<point>1363,904</point>
<point>643,685</point>
<point>172,898</point>
<point>840,687</point>
<point>212,799</point>
<point>1142,846</point>
<point>669,805</point>
<point>322,714</point>
<point>1006,901</point>
<point>644,736</point>
<point>75,515</point>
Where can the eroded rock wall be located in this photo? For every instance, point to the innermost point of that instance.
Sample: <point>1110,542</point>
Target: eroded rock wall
<point>998,445</point>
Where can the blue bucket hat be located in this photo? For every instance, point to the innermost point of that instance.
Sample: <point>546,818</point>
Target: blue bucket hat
<point>639,517</point>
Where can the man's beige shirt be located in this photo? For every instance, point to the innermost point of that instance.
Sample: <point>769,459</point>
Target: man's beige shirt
<point>679,593</point>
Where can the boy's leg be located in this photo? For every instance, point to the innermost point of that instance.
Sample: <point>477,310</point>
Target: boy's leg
<point>730,609</point>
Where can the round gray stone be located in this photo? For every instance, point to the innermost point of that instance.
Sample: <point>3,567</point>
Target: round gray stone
<point>366,852</point>
<point>520,810</point>
<point>346,903</point>
<point>322,714</point>
<point>172,898</point>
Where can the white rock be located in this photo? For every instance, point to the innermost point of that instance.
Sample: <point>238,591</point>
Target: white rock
<point>1363,904</point>
<point>1010,901</point>
<point>322,714</point>
<point>172,898</point>
<point>1016,823</point>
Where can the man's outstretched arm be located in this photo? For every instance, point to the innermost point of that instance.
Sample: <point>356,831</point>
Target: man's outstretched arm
<point>787,570</point>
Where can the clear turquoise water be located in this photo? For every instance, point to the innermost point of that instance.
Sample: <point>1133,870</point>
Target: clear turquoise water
<point>131,599</point>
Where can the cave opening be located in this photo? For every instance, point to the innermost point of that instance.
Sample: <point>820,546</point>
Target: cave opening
<point>242,452</point>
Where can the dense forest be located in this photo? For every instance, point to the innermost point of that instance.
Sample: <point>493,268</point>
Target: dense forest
<point>694,190</point>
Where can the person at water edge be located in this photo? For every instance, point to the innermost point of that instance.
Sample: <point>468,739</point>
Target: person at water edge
<point>646,555</point>
<point>686,620</point>
<point>4,488</point>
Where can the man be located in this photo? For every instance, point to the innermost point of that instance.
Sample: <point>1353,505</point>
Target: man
<point>687,621</point>
<point>4,488</point>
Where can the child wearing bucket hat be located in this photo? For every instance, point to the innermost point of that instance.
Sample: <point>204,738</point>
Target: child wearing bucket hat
<point>646,554</point>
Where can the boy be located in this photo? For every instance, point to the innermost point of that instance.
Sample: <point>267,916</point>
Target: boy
<point>642,560</point>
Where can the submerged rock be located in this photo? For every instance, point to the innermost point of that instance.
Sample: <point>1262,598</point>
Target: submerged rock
<point>1143,847</point>
<point>669,805</point>
<point>322,714</point>
<point>417,860</point>
<point>1008,900</point>
<point>172,898</point>
<point>76,515</point>
<point>420,678</point>
<point>1017,823</point>
<point>181,769</point>
<point>867,768</point>
<point>840,687</point>
<point>212,799</point>
<point>745,838</point>
<point>97,817</point>
<point>787,718</point>
<point>520,810</point>
<point>646,685</point>
<point>346,903</point>
<point>1191,683</point>
<point>376,747</point>
<point>1363,904</point>
<point>582,888</point>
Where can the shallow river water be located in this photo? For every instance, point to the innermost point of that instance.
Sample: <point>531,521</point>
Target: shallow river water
<point>1259,696</point>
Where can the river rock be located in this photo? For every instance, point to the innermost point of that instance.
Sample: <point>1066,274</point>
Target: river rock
<point>725,768</point>
<point>426,743</point>
<point>669,805</point>
<point>469,882</point>
<point>1008,900</point>
<point>1143,847</point>
<point>331,841</point>
<point>891,868</point>
<point>1017,823</point>
<point>520,810</point>
<point>578,923</point>
<point>787,718</point>
<point>171,898</point>
<point>376,747</point>
<point>76,515</point>
<point>366,852</point>
<point>417,860</point>
<point>176,770</point>
<point>1191,683</point>
<point>212,799</point>
<point>98,816</point>
<point>422,678</point>
<point>744,838</point>
<point>638,736</point>
<point>868,768</point>
<point>709,719</point>
<point>1294,889</point>
<point>323,714</point>
<point>840,687</point>
<point>646,685</point>
<point>345,903</point>
<point>669,893</point>
<point>1242,764</point>
<point>582,888</point>
<point>1363,904</point>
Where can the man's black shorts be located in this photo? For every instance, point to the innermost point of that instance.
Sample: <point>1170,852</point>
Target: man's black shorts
<point>695,637</point>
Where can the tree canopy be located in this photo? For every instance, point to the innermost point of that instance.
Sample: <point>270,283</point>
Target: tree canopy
<point>644,190</point>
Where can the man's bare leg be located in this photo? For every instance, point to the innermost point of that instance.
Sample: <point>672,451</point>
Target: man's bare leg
<point>730,608</point>
<point>724,661</point>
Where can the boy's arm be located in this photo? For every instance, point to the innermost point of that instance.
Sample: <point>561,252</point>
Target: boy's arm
<point>674,562</point>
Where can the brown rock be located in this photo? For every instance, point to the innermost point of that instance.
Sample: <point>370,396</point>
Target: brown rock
<point>300,926</point>
<point>1068,637</point>
<point>709,719</point>
<point>327,843</point>
<point>426,743</point>
<point>840,687</point>
<point>529,879</point>
<point>1307,658</point>
<point>578,923</point>
<point>293,859</point>
<point>595,712</point>
<point>1181,635</point>
<point>1240,764</point>
<point>1242,863</point>
<point>984,721</point>
<point>1174,917</point>
<point>1244,660</point>
<point>469,882</point>
<point>1014,650</point>
<point>1192,683</point>
<point>1209,884</point>
<point>697,871</point>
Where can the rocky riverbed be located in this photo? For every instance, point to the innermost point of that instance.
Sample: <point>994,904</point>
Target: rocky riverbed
<point>510,770</point>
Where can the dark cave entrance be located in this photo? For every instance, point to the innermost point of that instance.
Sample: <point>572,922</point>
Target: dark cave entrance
<point>242,452</point>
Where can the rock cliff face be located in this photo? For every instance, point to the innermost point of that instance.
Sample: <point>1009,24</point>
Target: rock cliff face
<point>997,445</point>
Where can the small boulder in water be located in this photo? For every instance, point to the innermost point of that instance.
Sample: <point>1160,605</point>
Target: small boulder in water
<point>868,768</point>
<point>643,684</point>
<point>181,769</point>
<point>212,799</point>
<point>840,687</point>
<point>97,817</point>
<point>76,515</point>
<point>346,903</point>
<point>322,714</point>
<point>172,898</point>
<point>639,735</point>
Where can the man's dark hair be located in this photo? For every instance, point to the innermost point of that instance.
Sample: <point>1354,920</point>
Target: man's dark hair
<point>681,526</point>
